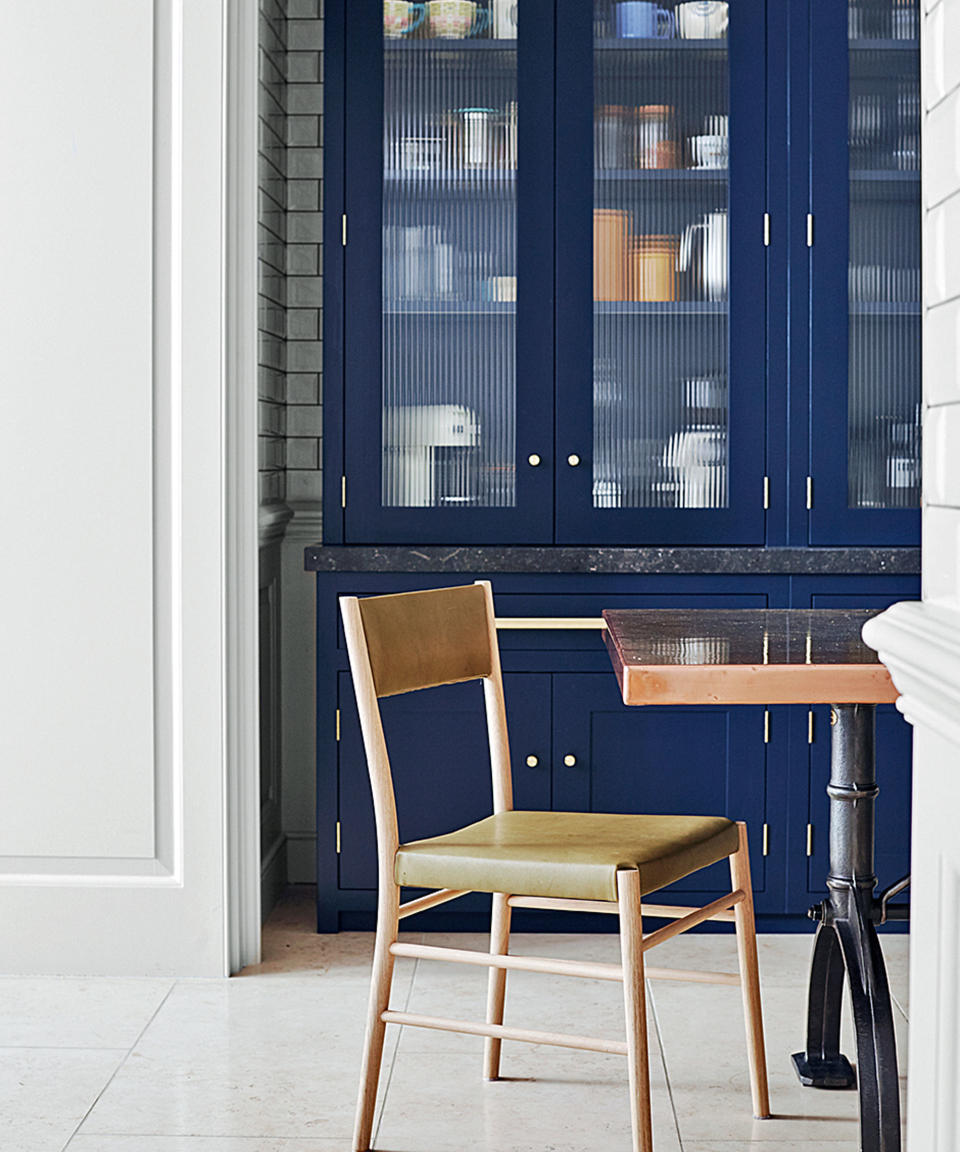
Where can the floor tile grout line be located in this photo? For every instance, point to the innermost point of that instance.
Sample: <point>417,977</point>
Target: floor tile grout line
<point>122,1062</point>
<point>663,1061</point>
<point>63,1047</point>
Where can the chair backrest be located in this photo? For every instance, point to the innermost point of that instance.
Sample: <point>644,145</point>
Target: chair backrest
<point>413,640</point>
<point>422,639</point>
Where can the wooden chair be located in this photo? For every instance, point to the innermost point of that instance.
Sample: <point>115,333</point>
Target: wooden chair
<point>571,861</point>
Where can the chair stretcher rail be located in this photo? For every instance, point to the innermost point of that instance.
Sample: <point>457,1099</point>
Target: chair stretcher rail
<point>591,969</point>
<point>502,1032</point>
<point>431,900</point>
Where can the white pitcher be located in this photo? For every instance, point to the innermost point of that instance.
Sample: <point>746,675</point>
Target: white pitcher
<point>712,254</point>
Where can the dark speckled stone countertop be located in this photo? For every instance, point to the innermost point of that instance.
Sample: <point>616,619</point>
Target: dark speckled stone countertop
<point>641,561</point>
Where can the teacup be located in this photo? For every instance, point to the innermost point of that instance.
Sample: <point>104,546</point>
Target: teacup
<point>702,19</point>
<point>455,19</point>
<point>709,151</point>
<point>400,17</point>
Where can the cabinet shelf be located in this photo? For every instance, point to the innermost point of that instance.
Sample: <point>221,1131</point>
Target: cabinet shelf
<point>716,47</point>
<point>601,307</point>
<point>473,181</point>
<point>885,308</point>
<point>898,46</point>
<point>660,308</point>
<point>884,176</point>
<point>673,175</point>
<point>448,44</point>
<point>450,308</point>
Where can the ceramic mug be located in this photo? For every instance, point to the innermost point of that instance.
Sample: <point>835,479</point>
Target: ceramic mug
<point>643,20</point>
<point>702,19</point>
<point>401,17</point>
<point>709,151</point>
<point>505,19</point>
<point>708,260</point>
<point>455,19</point>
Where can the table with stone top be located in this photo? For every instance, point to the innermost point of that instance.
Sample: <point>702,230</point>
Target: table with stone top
<point>800,656</point>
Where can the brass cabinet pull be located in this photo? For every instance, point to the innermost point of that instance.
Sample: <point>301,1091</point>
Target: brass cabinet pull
<point>569,760</point>
<point>573,459</point>
<point>533,761</point>
<point>534,460</point>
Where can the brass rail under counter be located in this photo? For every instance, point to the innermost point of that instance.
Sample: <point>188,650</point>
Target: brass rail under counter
<point>566,623</point>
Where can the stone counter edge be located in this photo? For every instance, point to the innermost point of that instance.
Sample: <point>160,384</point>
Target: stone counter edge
<point>613,561</point>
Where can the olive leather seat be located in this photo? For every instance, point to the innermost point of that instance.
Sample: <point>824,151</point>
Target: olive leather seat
<point>568,855</point>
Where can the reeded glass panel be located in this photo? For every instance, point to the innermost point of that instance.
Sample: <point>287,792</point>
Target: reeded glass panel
<point>449,253</point>
<point>884,270</point>
<point>660,261</point>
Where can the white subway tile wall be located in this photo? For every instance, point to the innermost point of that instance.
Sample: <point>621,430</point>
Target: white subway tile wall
<point>290,238</point>
<point>304,239</point>
<point>941,329</point>
<point>272,239</point>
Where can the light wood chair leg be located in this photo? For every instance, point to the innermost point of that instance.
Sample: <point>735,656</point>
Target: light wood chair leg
<point>750,977</point>
<point>497,982</point>
<point>381,978</point>
<point>635,1004</point>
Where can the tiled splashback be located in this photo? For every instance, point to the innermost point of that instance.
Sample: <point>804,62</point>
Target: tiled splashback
<point>291,201</point>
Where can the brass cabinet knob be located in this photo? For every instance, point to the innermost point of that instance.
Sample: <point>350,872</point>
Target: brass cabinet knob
<point>569,760</point>
<point>573,459</point>
<point>533,460</point>
<point>533,761</point>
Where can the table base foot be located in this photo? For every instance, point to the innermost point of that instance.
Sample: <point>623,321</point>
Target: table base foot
<point>817,1072</point>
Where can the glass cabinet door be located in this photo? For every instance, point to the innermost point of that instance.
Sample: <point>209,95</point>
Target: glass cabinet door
<point>662,267</point>
<point>865,273</point>
<point>443,323</point>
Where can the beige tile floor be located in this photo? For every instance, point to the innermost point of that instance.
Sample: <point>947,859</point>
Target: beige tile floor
<point>268,1062</point>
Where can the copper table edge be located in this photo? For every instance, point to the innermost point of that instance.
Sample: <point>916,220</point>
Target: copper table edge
<point>751,683</point>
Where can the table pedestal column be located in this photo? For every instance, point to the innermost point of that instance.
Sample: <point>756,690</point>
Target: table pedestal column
<point>847,941</point>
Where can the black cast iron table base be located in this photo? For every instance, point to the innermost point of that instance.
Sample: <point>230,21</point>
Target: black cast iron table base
<point>846,944</point>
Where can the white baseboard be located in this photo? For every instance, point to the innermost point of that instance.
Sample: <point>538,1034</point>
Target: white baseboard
<point>273,875</point>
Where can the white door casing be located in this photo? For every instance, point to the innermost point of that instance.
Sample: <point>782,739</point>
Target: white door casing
<point>112,679</point>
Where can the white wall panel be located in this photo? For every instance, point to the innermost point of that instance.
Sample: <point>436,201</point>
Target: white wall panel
<point>941,555</point>
<point>941,243</point>
<point>941,354</point>
<point>76,737</point>
<point>941,438</point>
<point>941,153</point>
<point>941,59</point>
<point>112,676</point>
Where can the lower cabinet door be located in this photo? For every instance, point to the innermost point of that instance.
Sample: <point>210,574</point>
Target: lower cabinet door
<point>437,743</point>
<point>682,760</point>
